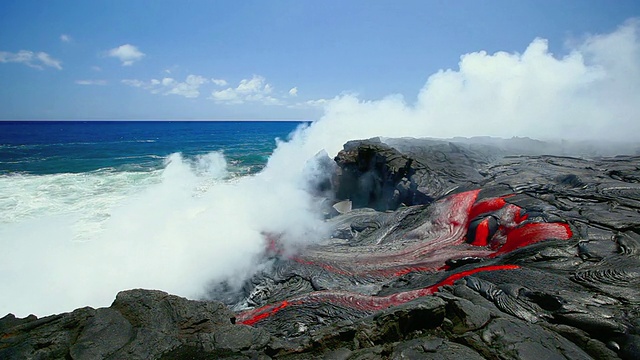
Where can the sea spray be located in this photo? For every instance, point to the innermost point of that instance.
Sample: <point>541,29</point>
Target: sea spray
<point>179,230</point>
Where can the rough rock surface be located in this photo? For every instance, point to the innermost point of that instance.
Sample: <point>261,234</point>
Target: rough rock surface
<point>140,324</point>
<point>453,250</point>
<point>376,175</point>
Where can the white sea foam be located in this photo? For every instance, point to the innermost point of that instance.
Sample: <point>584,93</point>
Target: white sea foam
<point>191,223</point>
<point>73,240</point>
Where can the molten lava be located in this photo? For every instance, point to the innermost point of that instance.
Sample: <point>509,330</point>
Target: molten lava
<point>459,226</point>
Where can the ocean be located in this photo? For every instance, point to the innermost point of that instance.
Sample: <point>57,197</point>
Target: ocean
<point>88,208</point>
<point>59,147</point>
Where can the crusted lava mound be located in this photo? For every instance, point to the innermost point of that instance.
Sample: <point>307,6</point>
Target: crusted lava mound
<point>439,250</point>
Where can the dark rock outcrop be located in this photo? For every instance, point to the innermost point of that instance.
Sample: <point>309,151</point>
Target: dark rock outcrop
<point>452,250</point>
<point>376,175</point>
<point>140,324</point>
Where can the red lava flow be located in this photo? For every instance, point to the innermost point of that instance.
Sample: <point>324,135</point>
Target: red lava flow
<point>461,227</point>
<point>359,301</point>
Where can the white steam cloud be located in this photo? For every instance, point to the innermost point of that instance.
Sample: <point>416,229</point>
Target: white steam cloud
<point>592,93</point>
<point>190,225</point>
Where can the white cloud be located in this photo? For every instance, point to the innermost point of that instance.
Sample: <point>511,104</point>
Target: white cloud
<point>293,91</point>
<point>48,60</point>
<point>254,85</point>
<point>168,82</point>
<point>134,82</point>
<point>190,88</point>
<point>219,82</point>
<point>35,60</point>
<point>65,38</point>
<point>127,53</point>
<point>317,102</point>
<point>96,68</point>
<point>314,103</point>
<point>255,89</point>
<point>227,96</point>
<point>91,82</point>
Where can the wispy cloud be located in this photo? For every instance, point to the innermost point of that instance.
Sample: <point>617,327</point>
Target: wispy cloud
<point>315,103</point>
<point>293,91</point>
<point>134,83</point>
<point>190,88</point>
<point>91,82</point>
<point>35,60</point>
<point>220,82</point>
<point>47,60</point>
<point>65,38</point>
<point>255,89</point>
<point>127,53</point>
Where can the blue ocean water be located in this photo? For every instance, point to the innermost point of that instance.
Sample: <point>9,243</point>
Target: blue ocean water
<point>49,147</point>
<point>91,208</point>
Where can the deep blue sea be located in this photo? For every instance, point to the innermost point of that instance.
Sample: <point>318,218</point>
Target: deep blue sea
<point>50,147</point>
<point>91,208</point>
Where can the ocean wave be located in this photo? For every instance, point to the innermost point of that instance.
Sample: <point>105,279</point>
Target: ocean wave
<point>195,212</point>
<point>138,157</point>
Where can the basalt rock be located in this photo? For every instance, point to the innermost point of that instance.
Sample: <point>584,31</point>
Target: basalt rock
<point>451,250</point>
<point>140,324</point>
<point>376,175</point>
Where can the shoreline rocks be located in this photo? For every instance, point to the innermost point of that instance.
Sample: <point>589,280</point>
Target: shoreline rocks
<point>140,324</point>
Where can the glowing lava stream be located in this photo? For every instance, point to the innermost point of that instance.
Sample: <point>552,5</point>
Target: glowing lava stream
<point>445,231</point>
<point>443,238</point>
<point>499,228</point>
<point>358,301</point>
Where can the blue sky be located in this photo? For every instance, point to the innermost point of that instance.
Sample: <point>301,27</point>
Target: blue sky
<point>258,59</point>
